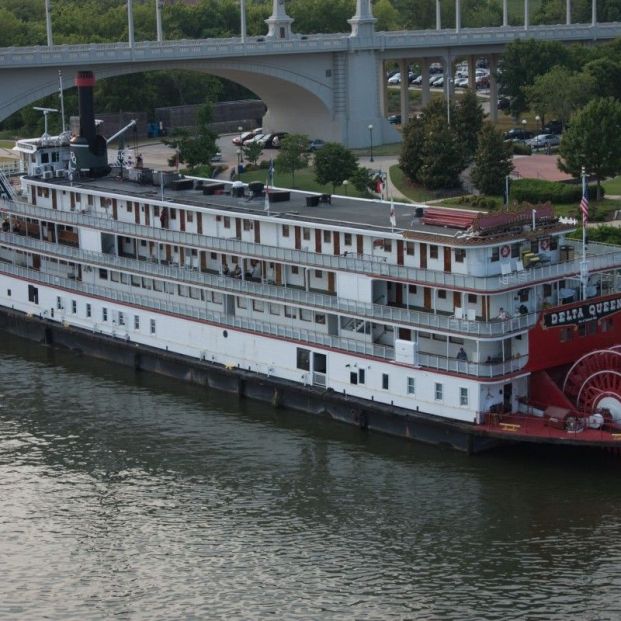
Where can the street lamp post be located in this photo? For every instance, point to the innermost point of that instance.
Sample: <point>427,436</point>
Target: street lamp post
<point>524,123</point>
<point>371,139</point>
<point>537,120</point>
<point>345,184</point>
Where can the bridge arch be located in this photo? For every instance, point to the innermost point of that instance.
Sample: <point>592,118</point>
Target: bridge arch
<point>295,100</point>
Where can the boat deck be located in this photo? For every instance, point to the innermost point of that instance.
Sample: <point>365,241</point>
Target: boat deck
<point>534,429</point>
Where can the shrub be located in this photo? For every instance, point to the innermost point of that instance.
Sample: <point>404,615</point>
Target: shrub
<point>539,191</point>
<point>521,148</point>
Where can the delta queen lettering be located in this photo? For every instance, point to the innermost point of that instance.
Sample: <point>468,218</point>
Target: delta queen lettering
<point>579,314</point>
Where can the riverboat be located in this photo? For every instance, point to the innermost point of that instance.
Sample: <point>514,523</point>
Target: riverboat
<point>446,326</point>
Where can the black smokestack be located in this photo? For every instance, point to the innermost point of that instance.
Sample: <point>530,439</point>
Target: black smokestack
<point>85,81</point>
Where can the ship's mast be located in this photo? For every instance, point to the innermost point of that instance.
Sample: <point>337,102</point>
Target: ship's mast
<point>62,101</point>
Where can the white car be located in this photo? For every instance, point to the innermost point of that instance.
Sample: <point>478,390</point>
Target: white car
<point>543,141</point>
<point>395,79</point>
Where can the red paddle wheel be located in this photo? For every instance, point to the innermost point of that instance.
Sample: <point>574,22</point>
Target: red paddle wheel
<point>594,382</point>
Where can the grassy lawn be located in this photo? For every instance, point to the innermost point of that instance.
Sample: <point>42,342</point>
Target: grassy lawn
<point>304,180</point>
<point>7,144</point>
<point>413,192</point>
<point>380,149</point>
<point>613,186</point>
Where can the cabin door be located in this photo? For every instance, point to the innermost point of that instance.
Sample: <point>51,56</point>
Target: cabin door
<point>359,245</point>
<point>399,252</point>
<point>298,237</point>
<point>423,256</point>
<point>337,243</point>
<point>427,298</point>
<point>447,259</point>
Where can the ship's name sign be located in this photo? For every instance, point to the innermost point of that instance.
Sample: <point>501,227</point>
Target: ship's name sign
<point>586,312</point>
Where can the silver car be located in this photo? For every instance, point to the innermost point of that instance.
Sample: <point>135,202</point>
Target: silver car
<point>544,141</point>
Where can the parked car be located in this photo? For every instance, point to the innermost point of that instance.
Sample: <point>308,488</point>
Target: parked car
<point>517,134</point>
<point>436,81</point>
<point>251,139</point>
<point>461,82</point>
<point>395,79</point>
<point>544,141</point>
<point>272,141</point>
<point>316,144</point>
<point>394,119</point>
<point>418,79</point>
<point>504,103</point>
<point>553,127</point>
<point>239,140</point>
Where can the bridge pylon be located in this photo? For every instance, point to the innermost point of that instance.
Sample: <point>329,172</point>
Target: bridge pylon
<point>279,23</point>
<point>362,23</point>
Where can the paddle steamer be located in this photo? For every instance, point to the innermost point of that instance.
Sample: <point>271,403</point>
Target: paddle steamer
<point>443,325</point>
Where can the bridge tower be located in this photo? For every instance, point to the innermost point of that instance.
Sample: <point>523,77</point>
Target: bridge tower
<point>279,23</point>
<point>362,23</point>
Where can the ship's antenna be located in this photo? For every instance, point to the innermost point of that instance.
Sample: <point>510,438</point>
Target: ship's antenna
<point>46,112</point>
<point>62,100</point>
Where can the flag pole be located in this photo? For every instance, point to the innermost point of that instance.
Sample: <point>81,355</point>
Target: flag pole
<point>584,208</point>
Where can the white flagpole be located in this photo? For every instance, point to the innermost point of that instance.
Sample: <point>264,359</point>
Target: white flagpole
<point>584,268</point>
<point>267,197</point>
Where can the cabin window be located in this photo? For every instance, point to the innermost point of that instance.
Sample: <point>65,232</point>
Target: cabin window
<point>385,381</point>
<point>433,251</point>
<point>361,376</point>
<point>388,245</point>
<point>303,359</point>
<point>411,386</point>
<point>173,214</point>
<point>33,294</point>
<point>8,292</point>
<point>290,312</point>
<point>104,314</point>
<point>226,221</point>
<point>439,337</point>
<point>438,391</point>
<point>306,234</point>
<point>320,318</point>
<point>442,294</point>
<point>515,250</point>
<point>495,254</point>
<point>463,396</point>
<point>306,315</point>
<point>607,324</point>
<point>566,334</point>
<point>89,311</point>
<point>130,207</point>
<point>45,158</point>
<point>136,322</point>
<point>409,248</point>
<point>412,288</point>
<point>318,274</point>
<point>553,243</point>
<point>274,309</point>
<point>587,328</point>
<point>103,274</point>
<point>189,216</point>
<point>295,269</point>
<point>152,326</point>
<point>547,291</point>
<point>258,306</point>
<point>347,239</point>
<point>242,303</point>
<point>248,225</point>
<point>121,319</point>
<point>327,237</point>
<point>59,303</point>
<point>74,307</point>
<point>285,230</point>
<point>353,377</point>
<point>472,298</point>
<point>460,255</point>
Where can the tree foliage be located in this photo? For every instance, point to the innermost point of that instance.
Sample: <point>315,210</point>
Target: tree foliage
<point>199,148</point>
<point>492,161</point>
<point>593,141</point>
<point>334,163</point>
<point>293,154</point>
<point>559,93</point>
<point>432,152</point>
<point>468,121</point>
<point>523,61</point>
<point>252,152</point>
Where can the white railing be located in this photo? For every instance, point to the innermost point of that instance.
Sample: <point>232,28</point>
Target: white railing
<point>609,258</point>
<point>199,313</point>
<point>272,292</point>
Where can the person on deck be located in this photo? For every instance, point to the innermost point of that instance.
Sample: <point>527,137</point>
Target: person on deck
<point>462,355</point>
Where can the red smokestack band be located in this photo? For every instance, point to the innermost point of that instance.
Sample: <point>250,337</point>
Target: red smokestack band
<point>85,78</point>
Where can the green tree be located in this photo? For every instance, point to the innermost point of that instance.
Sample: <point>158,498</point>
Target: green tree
<point>443,157</point>
<point>199,148</point>
<point>559,93</point>
<point>362,180</point>
<point>468,121</point>
<point>293,154</point>
<point>606,76</point>
<point>522,62</point>
<point>593,141</point>
<point>492,161</point>
<point>334,163</point>
<point>252,152</point>
<point>387,16</point>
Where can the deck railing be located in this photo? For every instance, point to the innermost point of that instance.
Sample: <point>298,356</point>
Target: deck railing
<point>276,293</point>
<point>198,312</point>
<point>607,259</point>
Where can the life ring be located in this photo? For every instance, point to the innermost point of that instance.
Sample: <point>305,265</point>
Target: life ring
<point>544,244</point>
<point>505,251</point>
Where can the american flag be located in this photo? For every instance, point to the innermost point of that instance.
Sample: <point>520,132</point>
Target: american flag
<point>393,216</point>
<point>584,205</point>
